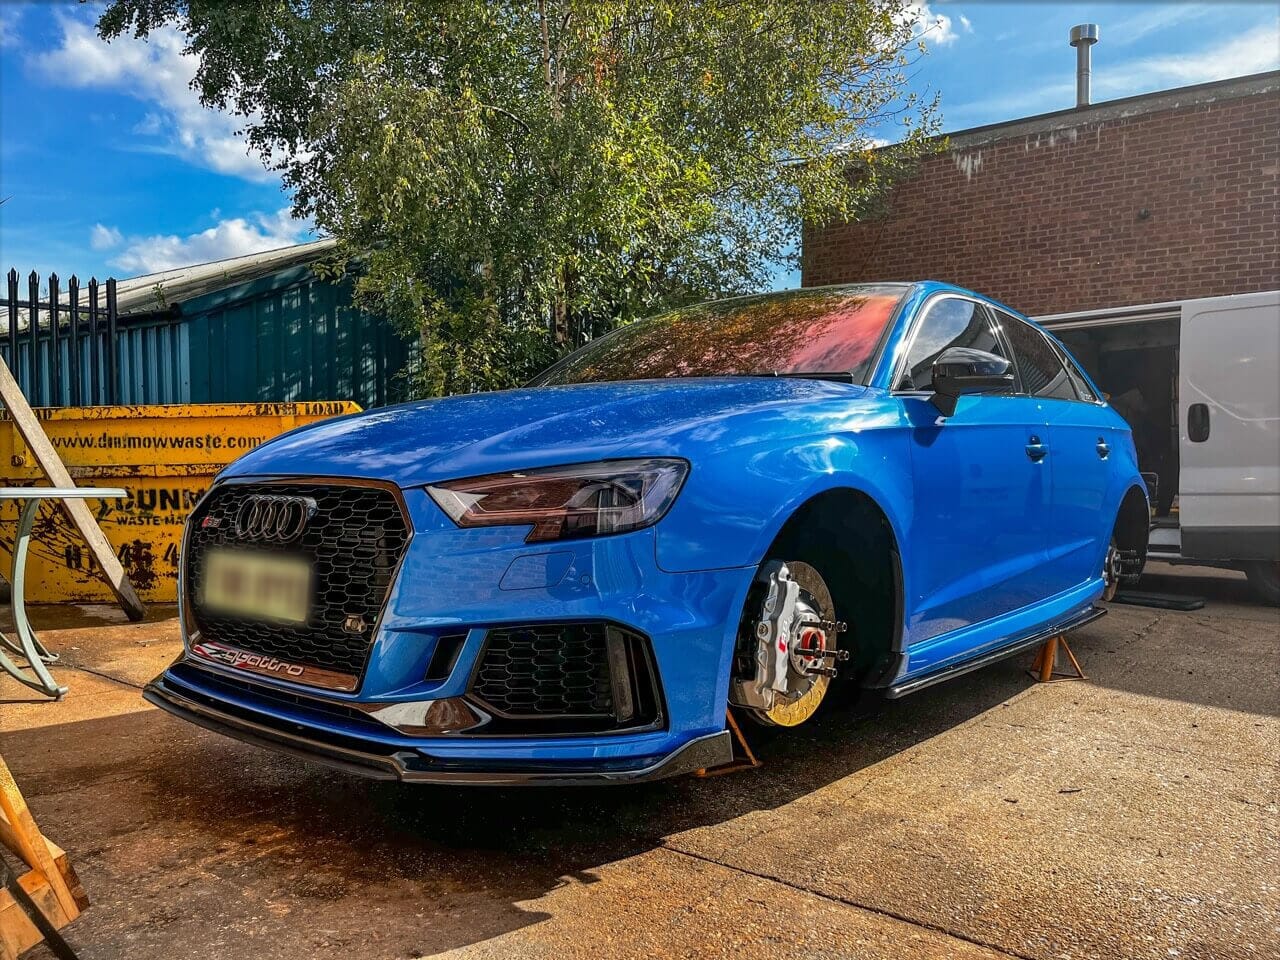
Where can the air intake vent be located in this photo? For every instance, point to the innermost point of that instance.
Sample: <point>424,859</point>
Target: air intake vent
<point>566,678</point>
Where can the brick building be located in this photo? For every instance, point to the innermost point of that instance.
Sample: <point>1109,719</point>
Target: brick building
<point>1159,197</point>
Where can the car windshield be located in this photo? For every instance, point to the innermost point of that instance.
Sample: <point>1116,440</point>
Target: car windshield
<point>827,331</point>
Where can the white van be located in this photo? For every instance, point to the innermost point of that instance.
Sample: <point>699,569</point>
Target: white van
<point>1199,383</point>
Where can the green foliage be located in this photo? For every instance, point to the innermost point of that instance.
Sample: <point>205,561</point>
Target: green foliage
<point>505,171</point>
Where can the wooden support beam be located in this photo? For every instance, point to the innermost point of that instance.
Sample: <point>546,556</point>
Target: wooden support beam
<point>50,882</point>
<point>747,761</point>
<point>29,842</point>
<point>17,932</point>
<point>34,436</point>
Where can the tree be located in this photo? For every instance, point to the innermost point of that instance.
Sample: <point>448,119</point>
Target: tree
<point>509,170</point>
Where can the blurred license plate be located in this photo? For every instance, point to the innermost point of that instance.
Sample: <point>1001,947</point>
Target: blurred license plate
<point>257,585</point>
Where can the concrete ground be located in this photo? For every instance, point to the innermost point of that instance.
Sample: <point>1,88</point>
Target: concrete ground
<point>1135,815</point>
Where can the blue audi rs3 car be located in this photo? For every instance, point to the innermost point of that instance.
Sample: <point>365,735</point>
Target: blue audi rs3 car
<point>743,505</point>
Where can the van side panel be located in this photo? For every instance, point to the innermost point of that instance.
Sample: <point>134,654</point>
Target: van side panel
<point>1229,427</point>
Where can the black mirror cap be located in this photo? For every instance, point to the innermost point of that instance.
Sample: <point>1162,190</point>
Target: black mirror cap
<point>961,370</point>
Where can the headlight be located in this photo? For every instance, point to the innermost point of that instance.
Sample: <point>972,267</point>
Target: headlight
<point>583,500</point>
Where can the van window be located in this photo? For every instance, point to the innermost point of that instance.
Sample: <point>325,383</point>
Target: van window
<point>1039,366</point>
<point>949,322</point>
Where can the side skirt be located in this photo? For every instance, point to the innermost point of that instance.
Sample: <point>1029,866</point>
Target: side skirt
<point>1087,615</point>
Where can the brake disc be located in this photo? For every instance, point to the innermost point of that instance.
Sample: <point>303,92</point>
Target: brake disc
<point>793,642</point>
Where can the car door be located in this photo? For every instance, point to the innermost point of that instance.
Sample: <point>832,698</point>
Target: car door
<point>981,486</point>
<point>1079,438</point>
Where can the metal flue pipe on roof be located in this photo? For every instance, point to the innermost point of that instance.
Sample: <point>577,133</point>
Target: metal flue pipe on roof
<point>1083,37</point>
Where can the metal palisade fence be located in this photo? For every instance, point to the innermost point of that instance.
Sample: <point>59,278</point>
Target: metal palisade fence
<point>62,352</point>
<point>74,347</point>
<point>282,336</point>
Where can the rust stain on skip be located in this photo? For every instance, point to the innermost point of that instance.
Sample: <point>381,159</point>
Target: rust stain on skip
<point>164,456</point>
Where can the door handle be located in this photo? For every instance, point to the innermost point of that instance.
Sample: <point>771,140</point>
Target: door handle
<point>1102,448</point>
<point>1198,422</point>
<point>1036,450</point>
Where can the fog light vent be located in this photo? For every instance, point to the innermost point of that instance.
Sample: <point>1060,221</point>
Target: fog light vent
<point>581,676</point>
<point>445,656</point>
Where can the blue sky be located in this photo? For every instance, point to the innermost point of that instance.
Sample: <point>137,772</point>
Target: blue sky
<point>112,168</point>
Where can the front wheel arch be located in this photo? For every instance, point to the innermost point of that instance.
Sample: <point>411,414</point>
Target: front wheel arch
<point>850,535</point>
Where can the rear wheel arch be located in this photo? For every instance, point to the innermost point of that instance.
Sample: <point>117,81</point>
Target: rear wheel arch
<point>1133,523</point>
<point>1126,552</point>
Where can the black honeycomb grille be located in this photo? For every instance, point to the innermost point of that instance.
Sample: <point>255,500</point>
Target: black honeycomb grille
<point>566,672</point>
<point>548,670</point>
<point>353,542</point>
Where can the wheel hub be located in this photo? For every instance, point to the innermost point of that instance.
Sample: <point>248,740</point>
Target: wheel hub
<point>1112,570</point>
<point>808,648</point>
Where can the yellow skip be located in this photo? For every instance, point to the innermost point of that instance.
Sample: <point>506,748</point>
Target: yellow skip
<point>165,456</point>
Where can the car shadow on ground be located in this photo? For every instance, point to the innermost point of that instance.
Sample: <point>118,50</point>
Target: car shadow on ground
<point>232,818</point>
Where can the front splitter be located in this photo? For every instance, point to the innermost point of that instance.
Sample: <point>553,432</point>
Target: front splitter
<point>409,766</point>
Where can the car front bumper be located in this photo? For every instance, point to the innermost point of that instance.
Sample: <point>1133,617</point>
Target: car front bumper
<point>380,762</point>
<point>463,586</point>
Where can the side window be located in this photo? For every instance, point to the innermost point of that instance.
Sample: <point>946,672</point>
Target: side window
<point>949,322</point>
<point>1039,365</point>
<point>1083,390</point>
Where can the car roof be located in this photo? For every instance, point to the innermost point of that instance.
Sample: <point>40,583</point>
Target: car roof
<point>923,286</point>
<point>927,287</point>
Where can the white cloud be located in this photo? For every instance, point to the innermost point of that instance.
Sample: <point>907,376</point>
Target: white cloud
<point>1253,51</point>
<point>157,71</point>
<point>10,14</point>
<point>104,238</point>
<point>228,238</point>
<point>1149,20</point>
<point>934,28</point>
<point>149,126</point>
<point>966,23</point>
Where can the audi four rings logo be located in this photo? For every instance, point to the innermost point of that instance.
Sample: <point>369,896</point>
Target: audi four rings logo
<point>274,519</point>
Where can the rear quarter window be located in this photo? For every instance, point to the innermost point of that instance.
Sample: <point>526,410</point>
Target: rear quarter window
<point>1040,366</point>
<point>1074,373</point>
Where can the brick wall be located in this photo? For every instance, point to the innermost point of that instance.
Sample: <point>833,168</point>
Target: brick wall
<point>1049,217</point>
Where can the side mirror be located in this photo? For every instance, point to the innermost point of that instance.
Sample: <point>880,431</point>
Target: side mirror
<point>961,370</point>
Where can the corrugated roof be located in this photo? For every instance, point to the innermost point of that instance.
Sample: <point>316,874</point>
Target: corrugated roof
<point>153,292</point>
<point>157,291</point>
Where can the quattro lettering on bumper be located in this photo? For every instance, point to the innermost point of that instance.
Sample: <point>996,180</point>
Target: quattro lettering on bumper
<point>237,659</point>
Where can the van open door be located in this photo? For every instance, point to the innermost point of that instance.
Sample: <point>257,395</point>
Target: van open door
<point>1229,434</point>
<point>1198,381</point>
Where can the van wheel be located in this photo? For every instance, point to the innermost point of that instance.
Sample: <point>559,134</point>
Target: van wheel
<point>1264,577</point>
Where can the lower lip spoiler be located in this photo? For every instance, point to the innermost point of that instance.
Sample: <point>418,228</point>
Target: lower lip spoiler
<point>408,766</point>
